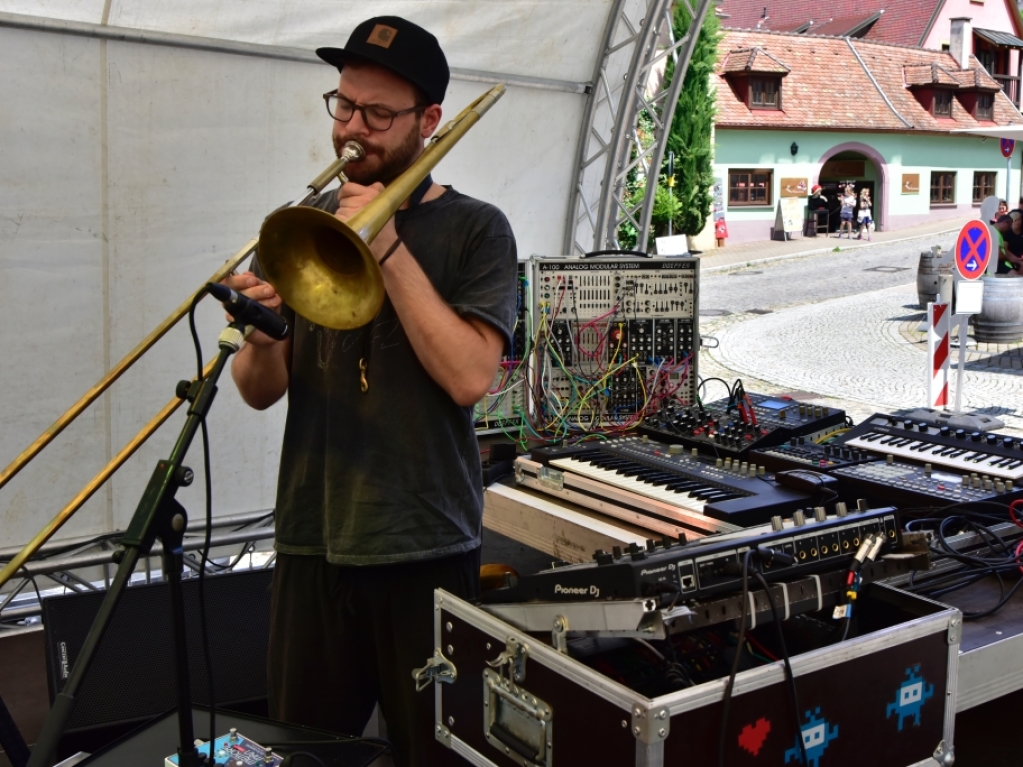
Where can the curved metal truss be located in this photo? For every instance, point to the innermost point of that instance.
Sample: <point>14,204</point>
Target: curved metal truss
<point>637,43</point>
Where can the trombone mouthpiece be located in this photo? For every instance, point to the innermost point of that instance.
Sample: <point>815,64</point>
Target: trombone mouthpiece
<point>351,151</point>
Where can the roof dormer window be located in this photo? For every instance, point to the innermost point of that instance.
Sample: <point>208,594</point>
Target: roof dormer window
<point>942,104</point>
<point>765,93</point>
<point>985,109</point>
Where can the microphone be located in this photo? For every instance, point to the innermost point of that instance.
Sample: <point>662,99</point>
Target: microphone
<point>249,312</point>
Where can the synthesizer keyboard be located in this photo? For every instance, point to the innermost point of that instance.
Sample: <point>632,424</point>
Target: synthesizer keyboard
<point>986,454</point>
<point>706,567</point>
<point>723,431</point>
<point>729,490</point>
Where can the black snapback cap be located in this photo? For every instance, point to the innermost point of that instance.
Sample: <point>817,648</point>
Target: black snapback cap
<point>396,44</point>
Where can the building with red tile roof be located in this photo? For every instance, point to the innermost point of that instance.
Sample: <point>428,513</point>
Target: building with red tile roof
<point>997,26</point>
<point>794,110</point>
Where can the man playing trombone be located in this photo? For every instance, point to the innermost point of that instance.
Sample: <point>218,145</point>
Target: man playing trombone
<point>379,496</point>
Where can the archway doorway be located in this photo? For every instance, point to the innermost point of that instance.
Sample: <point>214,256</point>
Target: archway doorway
<point>860,165</point>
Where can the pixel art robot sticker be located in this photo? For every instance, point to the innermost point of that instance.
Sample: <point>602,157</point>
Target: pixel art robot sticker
<point>817,735</point>
<point>910,697</point>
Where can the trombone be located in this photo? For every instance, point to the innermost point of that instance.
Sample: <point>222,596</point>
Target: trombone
<point>322,267</point>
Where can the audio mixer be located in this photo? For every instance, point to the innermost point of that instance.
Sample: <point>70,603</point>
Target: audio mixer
<point>734,426</point>
<point>803,453</point>
<point>711,565</point>
<point>615,338</point>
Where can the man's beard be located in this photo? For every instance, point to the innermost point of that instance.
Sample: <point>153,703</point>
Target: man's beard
<point>385,165</point>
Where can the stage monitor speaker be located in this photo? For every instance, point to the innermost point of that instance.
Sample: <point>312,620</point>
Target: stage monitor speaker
<point>132,675</point>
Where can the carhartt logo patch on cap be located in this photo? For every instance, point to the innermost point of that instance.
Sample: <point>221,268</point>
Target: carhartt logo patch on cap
<point>382,35</point>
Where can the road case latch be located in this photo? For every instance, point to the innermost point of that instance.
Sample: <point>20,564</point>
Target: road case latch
<point>437,668</point>
<point>514,657</point>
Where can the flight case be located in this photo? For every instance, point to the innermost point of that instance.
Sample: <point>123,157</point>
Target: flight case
<point>885,697</point>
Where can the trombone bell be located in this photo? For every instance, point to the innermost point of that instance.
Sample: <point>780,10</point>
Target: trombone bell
<point>321,267</point>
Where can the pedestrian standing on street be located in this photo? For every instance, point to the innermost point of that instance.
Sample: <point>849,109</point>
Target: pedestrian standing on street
<point>864,220</point>
<point>1012,259</point>
<point>848,201</point>
<point>818,206</point>
<point>1003,209</point>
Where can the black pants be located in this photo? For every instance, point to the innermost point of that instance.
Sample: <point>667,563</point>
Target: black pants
<point>344,638</point>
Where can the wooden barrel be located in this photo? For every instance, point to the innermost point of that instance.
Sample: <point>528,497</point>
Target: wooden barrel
<point>1001,315</point>
<point>929,285</point>
<point>928,280</point>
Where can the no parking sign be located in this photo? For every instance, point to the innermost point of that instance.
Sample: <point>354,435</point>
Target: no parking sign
<point>973,250</point>
<point>1007,145</point>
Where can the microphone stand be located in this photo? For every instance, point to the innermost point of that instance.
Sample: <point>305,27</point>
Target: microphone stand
<point>158,515</point>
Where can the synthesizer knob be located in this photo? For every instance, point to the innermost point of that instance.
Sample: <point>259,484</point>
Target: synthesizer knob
<point>761,471</point>
<point>694,452</point>
<point>921,426</point>
<point>777,524</point>
<point>676,449</point>
<point>1007,443</point>
<point>820,514</point>
<point>666,542</point>
<point>826,411</point>
<point>907,423</point>
<point>841,509</point>
<point>960,434</point>
<point>616,551</point>
<point>889,459</point>
<point>651,545</point>
<point>802,409</point>
<point>975,436</point>
<point>798,518</point>
<point>988,484</point>
<point>719,463</point>
<point>927,470</point>
<point>862,505</point>
<point>601,557</point>
<point>991,439</point>
<point>944,431</point>
<point>999,486</point>
<point>781,415</point>
<point>232,735</point>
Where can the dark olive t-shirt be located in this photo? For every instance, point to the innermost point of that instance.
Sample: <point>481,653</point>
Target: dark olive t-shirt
<point>393,474</point>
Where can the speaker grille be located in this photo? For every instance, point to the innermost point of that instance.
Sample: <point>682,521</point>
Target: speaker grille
<point>132,677</point>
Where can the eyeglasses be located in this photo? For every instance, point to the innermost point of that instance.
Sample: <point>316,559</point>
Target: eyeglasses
<point>376,117</point>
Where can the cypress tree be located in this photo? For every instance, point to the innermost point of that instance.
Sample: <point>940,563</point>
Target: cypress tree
<point>691,126</point>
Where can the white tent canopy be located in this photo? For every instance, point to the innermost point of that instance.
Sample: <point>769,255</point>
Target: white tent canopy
<point>142,143</point>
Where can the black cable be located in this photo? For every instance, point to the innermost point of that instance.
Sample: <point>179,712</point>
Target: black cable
<point>290,758</point>
<point>208,482</point>
<point>740,643</point>
<point>789,676</point>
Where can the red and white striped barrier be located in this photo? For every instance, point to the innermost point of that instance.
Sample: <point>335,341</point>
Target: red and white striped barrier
<point>938,326</point>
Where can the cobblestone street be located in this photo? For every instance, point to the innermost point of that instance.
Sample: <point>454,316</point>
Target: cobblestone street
<point>843,328</point>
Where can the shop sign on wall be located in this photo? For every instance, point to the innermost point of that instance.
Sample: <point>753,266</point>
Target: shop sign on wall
<point>794,187</point>
<point>910,183</point>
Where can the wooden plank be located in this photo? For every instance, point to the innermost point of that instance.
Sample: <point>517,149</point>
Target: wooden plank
<point>565,531</point>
